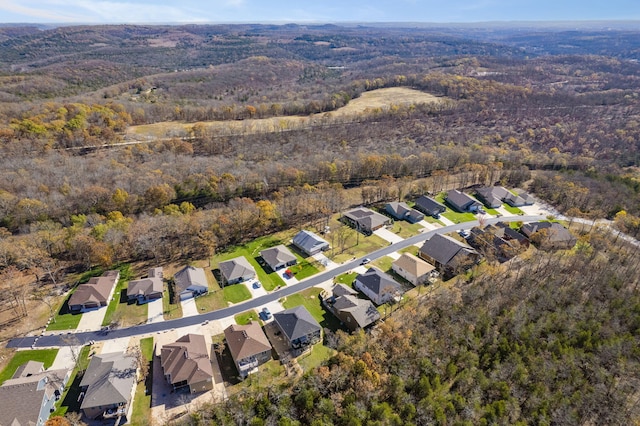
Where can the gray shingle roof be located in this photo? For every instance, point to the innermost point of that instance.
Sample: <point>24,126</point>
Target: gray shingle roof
<point>110,378</point>
<point>276,255</point>
<point>296,322</point>
<point>443,248</point>
<point>362,311</point>
<point>460,200</point>
<point>309,242</point>
<point>429,205</point>
<point>238,267</point>
<point>378,282</point>
<point>190,276</point>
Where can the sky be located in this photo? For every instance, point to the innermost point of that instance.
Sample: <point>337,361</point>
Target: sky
<point>306,11</point>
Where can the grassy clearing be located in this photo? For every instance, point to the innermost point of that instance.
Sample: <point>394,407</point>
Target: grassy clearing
<point>346,279</point>
<point>246,317</point>
<point>71,395</point>
<point>141,413</point>
<point>119,296</point>
<point>236,293</point>
<point>310,300</point>
<point>47,356</point>
<point>318,355</point>
<point>406,229</point>
<point>512,210</point>
<point>365,246</point>
<point>383,263</point>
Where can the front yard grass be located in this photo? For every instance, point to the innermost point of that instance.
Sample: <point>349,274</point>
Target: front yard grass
<point>492,212</point>
<point>120,298</point>
<point>411,249</point>
<point>246,317</point>
<point>306,266</point>
<point>346,279</point>
<point>318,355</point>
<point>383,263</point>
<point>310,300</point>
<point>211,301</point>
<point>236,293</point>
<point>170,310</point>
<point>456,217</point>
<point>406,229</point>
<point>69,400</point>
<point>47,356</point>
<point>512,210</point>
<point>141,413</point>
<point>65,320</point>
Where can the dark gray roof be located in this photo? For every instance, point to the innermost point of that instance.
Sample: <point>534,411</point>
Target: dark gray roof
<point>296,322</point>
<point>443,248</point>
<point>238,267</point>
<point>110,378</point>
<point>429,205</point>
<point>362,311</point>
<point>341,290</point>
<point>460,200</point>
<point>399,209</point>
<point>367,218</point>
<point>492,196</point>
<point>277,254</point>
<point>308,241</point>
<point>378,282</point>
<point>190,276</point>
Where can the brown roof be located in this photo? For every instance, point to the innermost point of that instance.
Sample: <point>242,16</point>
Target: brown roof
<point>414,265</point>
<point>96,290</point>
<point>246,340</point>
<point>187,359</point>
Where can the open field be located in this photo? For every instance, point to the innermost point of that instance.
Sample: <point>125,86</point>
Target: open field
<point>380,99</point>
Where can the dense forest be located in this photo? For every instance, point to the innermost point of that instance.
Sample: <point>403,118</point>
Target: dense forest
<point>83,184</point>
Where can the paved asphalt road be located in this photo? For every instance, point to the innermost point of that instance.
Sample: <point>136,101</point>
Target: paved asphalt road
<point>84,337</point>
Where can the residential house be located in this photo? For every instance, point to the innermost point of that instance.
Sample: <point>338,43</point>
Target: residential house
<point>365,220</point>
<point>109,385</point>
<point>309,243</point>
<point>527,199</point>
<point>278,257</point>
<point>462,202</point>
<point>449,255</point>
<point>95,293</point>
<point>186,364</point>
<point>28,398</point>
<point>412,268</point>
<point>378,286</point>
<point>428,205</point>
<point>511,234</point>
<point>190,282</point>
<point>549,235</point>
<point>249,347</point>
<point>236,270</point>
<point>146,289</point>
<point>401,211</point>
<point>299,328</point>
<point>493,196</point>
<point>497,241</point>
<point>353,312</point>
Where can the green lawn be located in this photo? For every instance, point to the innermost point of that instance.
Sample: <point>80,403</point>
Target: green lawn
<point>430,219</point>
<point>306,267</point>
<point>383,263</point>
<point>236,293</point>
<point>365,245</point>
<point>211,301</point>
<point>456,217</point>
<point>171,310</point>
<point>47,356</point>
<point>65,320</point>
<point>318,355</point>
<point>309,298</point>
<point>141,414</point>
<point>346,279</point>
<point>512,210</point>
<point>411,249</point>
<point>492,212</point>
<point>71,395</point>
<point>406,229</point>
<point>246,317</point>
<point>119,296</point>
<point>251,251</point>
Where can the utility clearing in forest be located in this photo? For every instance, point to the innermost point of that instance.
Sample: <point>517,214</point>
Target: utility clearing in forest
<point>368,102</point>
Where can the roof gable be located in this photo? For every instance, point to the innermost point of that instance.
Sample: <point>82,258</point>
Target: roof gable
<point>276,255</point>
<point>246,340</point>
<point>110,378</point>
<point>190,276</point>
<point>186,359</point>
<point>378,282</point>
<point>296,322</point>
<point>235,268</point>
<point>308,241</point>
<point>414,265</point>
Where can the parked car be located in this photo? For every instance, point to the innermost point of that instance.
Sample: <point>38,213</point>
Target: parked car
<point>265,314</point>
<point>365,261</point>
<point>463,233</point>
<point>257,284</point>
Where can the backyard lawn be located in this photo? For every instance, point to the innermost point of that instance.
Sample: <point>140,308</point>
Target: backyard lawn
<point>346,279</point>
<point>246,317</point>
<point>142,401</point>
<point>236,293</point>
<point>47,356</point>
<point>69,400</point>
<point>318,355</point>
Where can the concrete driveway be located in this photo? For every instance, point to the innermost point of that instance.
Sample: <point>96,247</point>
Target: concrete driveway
<point>324,260</point>
<point>92,320</point>
<point>446,221</point>
<point>189,308</point>
<point>115,345</point>
<point>64,358</point>
<point>154,311</point>
<point>387,235</point>
<point>255,292</point>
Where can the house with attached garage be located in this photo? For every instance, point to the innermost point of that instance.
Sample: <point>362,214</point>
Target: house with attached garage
<point>309,243</point>
<point>353,312</point>
<point>190,282</point>
<point>95,293</point>
<point>186,364</point>
<point>299,328</point>
<point>146,289</point>
<point>29,397</point>
<point>365,220</point>
<point>236,270</point>
<point>401,211</point>
<point>448,255</point>
<point>462,202</point>
<point>278,257</point>
<point>428,205</point>
<point>108,386</point>
<point>378,286</point>
<point>412,268</point>
<point>497,241</point>
<point>551,235</point>
<point>249,347</point>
